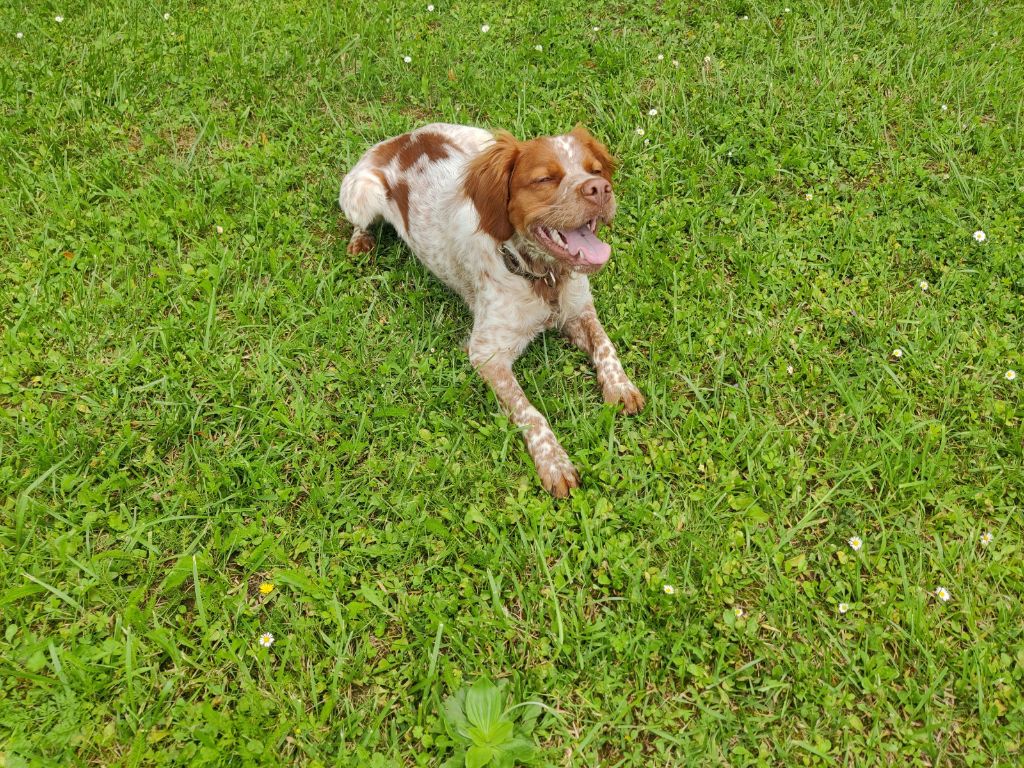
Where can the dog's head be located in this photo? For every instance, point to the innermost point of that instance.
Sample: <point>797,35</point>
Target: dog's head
<point>550,195</point>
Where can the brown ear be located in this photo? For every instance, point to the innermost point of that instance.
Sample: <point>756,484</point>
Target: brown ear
<point>487,184</point>
<point>604,157</point>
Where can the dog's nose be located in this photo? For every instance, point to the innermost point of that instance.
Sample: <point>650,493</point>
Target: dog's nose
<point>596,190</point>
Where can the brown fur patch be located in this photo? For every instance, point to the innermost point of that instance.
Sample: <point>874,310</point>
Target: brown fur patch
<point>596,151</point>
<point>433,145</point>
<point>386,152</point>
<point>487,185</point>
<point>399,192</point>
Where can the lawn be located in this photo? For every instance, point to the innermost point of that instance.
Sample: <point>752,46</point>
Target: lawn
<point>215,424</point>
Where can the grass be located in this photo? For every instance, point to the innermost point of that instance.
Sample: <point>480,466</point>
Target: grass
<point>189,413</point>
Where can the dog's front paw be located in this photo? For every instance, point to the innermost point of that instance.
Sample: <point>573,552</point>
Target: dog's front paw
<point>627,394</point>
<point>558,475</point>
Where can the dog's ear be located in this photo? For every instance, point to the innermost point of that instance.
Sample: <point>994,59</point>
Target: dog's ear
<point>487,184</point>
<point>599,150</point>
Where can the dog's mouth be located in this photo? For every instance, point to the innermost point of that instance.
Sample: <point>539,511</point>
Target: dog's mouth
<point>580,247</point>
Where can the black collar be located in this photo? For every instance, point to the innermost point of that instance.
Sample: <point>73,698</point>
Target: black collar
<point>514,264</point>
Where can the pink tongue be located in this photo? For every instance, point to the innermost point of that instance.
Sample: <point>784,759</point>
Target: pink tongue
<point>592,250</point>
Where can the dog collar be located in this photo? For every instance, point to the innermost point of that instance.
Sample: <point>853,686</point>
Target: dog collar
<point>514,264</point>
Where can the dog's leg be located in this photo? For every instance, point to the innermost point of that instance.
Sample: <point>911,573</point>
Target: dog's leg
<point>557,473</point>
<point>585,332</point>
<point>363,199</point>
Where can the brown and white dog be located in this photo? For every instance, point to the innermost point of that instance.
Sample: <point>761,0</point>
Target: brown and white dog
<point>511,226</point>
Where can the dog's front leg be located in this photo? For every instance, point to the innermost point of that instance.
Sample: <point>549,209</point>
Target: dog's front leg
<point>585,332</point>
<point>557,473</point>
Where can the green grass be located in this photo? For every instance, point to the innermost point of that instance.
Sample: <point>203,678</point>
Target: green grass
<point>187,414</point>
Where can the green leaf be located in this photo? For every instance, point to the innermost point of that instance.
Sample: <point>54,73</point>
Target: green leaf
<point>483,704</point>
<point>478,756</point>
<point>455,714</point>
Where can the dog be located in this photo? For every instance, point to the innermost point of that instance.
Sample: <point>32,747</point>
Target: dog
<point>512,227</point>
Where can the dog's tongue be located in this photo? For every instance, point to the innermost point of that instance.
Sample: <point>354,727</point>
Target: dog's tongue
<point>590,247</point>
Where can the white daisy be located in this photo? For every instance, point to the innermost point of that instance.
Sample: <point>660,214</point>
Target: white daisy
<point>639,131</point>
<point>266,640</point>
<point>923,285</point>
<point>538,47</point>
<point>430,9</point>
<point>844,607</point>
<point>739,613</point>
<point>1010,375</point>
<point>485,28</point>
<point>647,142</point>
<point>785,10</point>
<point>661,57</point>
<point>944,108</point>
<point>220,229</point>
<point>744,18</point>
<point>167,17</point>
<point>58,19</point>
<point>789,369</point>
<point>986,538</point>
<point>652,112</point>
<point>943,594</point>
<point>407,59</point>
<point>856,543</point>
<point>809,196</point>
<point>675,63</point>
<point>897,353</point>
<point>668,589</point>
<point>19,35</point>
<point>979,236</point>
<point>596,29</point>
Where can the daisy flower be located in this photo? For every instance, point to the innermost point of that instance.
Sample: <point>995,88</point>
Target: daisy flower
<point>266,640</point>
<point>266,588</point>
<point>744,18</point>
<point>485,28</point>
<point>944,108</point>
<point>986,538</point>
<point>661,57</point>
<point>639,131</point>
<point>1010,375</point>
<point>167,17</point>
<point>596,29</point>
<point>979,236</point>
<point>739,613</point>
<point>897,353</point>
<point>789,369</point>
<point>923,285</point>
<point>19,35</point>
<point>538,47</point>
<point>844,607</point>
<point>943,594</point>
<point>675,63</point>
<point>855,542</point>
<point>407,59</point>
<point>785,10</point>
<point>652,112</point>
<point>58,19</point>
<point>220,229</point>
<point>809,196</point>
<point>668,589</point>
<point>430,9</point>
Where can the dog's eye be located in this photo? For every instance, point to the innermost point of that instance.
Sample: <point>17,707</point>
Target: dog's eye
<point>543,180</point>
<point>596,170</point>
